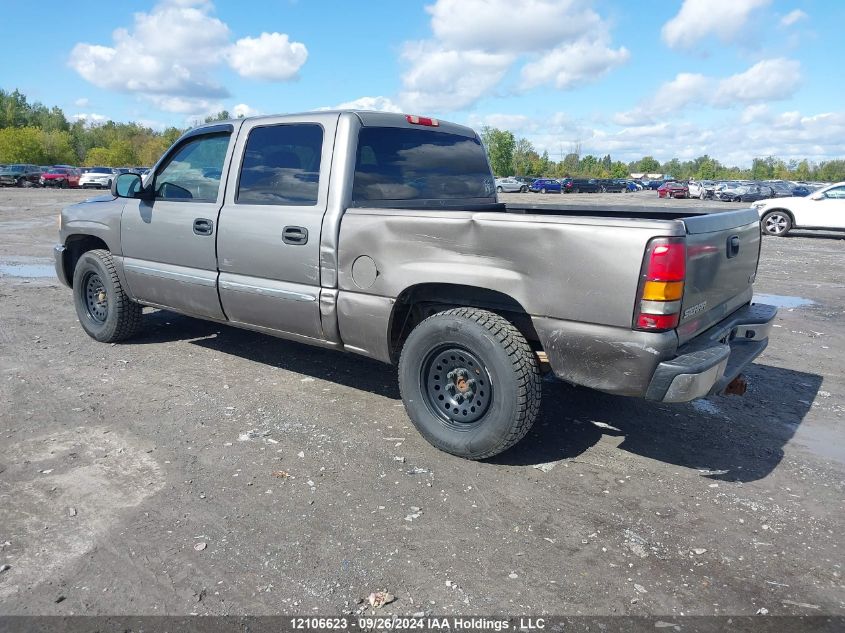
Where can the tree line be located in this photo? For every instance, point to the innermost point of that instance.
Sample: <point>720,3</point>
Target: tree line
<point>34,133</point>
<point>511,156</point>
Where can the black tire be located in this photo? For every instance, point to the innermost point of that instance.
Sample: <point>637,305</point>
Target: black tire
<point>105,311</point>
<point>21,182</point>
<point>503,381</point>
<point>523,189</point>
<point>499,189</point>
<point>64,184</point>
<point>543,190</point>
<point>577,190</point>
<point>776,223</point>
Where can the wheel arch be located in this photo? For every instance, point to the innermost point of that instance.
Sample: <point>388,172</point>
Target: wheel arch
<point>77,245</point>
<point>416,303</point>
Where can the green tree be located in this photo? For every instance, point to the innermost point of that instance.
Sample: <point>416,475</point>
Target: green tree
<point>21,145</point>
<point>522,156</point>
<point>500,145</point>
<point>647,165</point>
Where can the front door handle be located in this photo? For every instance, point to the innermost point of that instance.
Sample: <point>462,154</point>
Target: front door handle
<point>295,235</point>
<point>203,226</point>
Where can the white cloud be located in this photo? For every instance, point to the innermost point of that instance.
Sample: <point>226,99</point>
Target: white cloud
<point>186,105</point>
<point>243,110</point>
<point>270,56</point>
<point>168,52</point>
<point>82,102</point>
<point>510,25</point>
<point>792,17</point>
<point>767,80</point>
<point>90,118</point>
<point>573,64</point>
<point>169,57</point>
<point>443,79</point>
<point>735,140</point>
<point>380,104</point>
<point>699,19</point>
<point>514,122</point>
<point>475,43</point>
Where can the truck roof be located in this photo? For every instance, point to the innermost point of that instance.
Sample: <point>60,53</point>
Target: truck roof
<point>374,118</point>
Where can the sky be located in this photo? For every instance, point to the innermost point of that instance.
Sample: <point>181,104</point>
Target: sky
<point>733,79</point>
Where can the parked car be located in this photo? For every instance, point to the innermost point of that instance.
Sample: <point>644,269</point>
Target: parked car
<point>663,311</point>
<point>612,185</point>
<point>747,193</point>
<point>780,188</point>
<point>510,185</point>
<point>580,185</point>
<point>673,189</point>
<point>20,175</point>
<point>97,178</point>
<point>823,210</point>
<point>799,191</point>
<point>545,185</point>
<point>700,189</point>
<point>633,185</point>
<point>62,177</point>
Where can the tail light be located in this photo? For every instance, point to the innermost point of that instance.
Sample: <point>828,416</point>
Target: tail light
<point>421,120</point>
<point>661,285</point>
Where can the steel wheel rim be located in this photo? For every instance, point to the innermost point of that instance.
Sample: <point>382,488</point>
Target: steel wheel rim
<point>456,386</point>
<point>776,224</point>
<point>96,298</point>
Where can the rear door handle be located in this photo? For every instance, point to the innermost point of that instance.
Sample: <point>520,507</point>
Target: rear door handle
<point>295,235</point>
<point>203,226</point>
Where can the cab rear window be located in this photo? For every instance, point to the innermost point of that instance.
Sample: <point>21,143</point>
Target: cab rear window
<point>396,164</point>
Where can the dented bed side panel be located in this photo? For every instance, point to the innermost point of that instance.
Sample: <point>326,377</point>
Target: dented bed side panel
<point>568,270</point>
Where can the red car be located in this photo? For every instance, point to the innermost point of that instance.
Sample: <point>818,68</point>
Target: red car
<point>673,189</point>
<point>61,176</point>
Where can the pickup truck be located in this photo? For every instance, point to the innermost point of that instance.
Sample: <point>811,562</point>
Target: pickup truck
<point>381,234</point>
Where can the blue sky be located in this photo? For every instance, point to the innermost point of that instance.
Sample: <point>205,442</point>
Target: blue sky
<point>732,78</point>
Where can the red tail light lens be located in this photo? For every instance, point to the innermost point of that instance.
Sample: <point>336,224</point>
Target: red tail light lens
<point>667,262</point>
<point>659,302</point>
<point>421,120</point>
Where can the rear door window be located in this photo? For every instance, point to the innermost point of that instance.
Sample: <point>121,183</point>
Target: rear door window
<point>395,164</point>
<point>281,165</point>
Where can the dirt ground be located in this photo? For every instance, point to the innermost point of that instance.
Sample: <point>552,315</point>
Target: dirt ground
<point>205,469</point>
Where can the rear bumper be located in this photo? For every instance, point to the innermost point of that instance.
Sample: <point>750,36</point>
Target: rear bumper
<point>650,364</point>
<point>708,363</point>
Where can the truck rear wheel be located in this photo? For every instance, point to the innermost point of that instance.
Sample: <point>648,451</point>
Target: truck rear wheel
<point>470,382</point>
<point>105,311</point>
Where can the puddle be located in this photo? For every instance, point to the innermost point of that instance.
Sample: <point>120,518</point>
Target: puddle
<point>27,271</point>
<point>783,301</point>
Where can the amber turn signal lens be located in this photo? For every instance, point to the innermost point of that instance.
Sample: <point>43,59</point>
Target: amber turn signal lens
<point>663,290</point>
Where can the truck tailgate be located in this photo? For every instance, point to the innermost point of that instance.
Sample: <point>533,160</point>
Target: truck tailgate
<point>722,253</point>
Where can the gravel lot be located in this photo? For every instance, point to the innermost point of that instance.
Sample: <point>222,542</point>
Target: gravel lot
<point>205,469</point>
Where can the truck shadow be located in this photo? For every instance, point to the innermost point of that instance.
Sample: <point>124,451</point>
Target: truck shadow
<point>732,438</point>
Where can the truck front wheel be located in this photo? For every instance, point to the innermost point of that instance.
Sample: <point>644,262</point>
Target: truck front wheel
<point>470,382</point>
<point>105,311</point>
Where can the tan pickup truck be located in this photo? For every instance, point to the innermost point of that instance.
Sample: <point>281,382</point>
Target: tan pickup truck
<point>381,234</point>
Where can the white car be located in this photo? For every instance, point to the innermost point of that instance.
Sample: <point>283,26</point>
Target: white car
<point>510,185</point>
<point>823,209</point>
<point>97,177</point>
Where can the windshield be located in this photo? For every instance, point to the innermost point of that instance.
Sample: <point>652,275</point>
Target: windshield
<point>15,168</point>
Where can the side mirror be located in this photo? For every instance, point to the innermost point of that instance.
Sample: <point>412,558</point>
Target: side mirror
<point>126,186</point>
